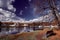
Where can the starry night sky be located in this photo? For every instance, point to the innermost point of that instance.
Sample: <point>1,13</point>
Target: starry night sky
<point>24,8</point>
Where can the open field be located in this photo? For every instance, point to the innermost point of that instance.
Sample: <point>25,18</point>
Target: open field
<point>36,35</point>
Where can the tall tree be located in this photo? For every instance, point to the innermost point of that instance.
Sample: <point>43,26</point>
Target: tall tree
<point>54,10</point>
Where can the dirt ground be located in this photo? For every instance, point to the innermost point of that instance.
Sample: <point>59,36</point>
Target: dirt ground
<point>36,35</point>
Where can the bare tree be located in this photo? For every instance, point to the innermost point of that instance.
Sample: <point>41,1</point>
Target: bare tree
<point>54,11</point>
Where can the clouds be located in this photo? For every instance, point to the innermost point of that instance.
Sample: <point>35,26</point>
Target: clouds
<point>29,13</point>
<point>46,18</point>
<point>9,16</point>
<point>21,12</point>
<point>1,3</point>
